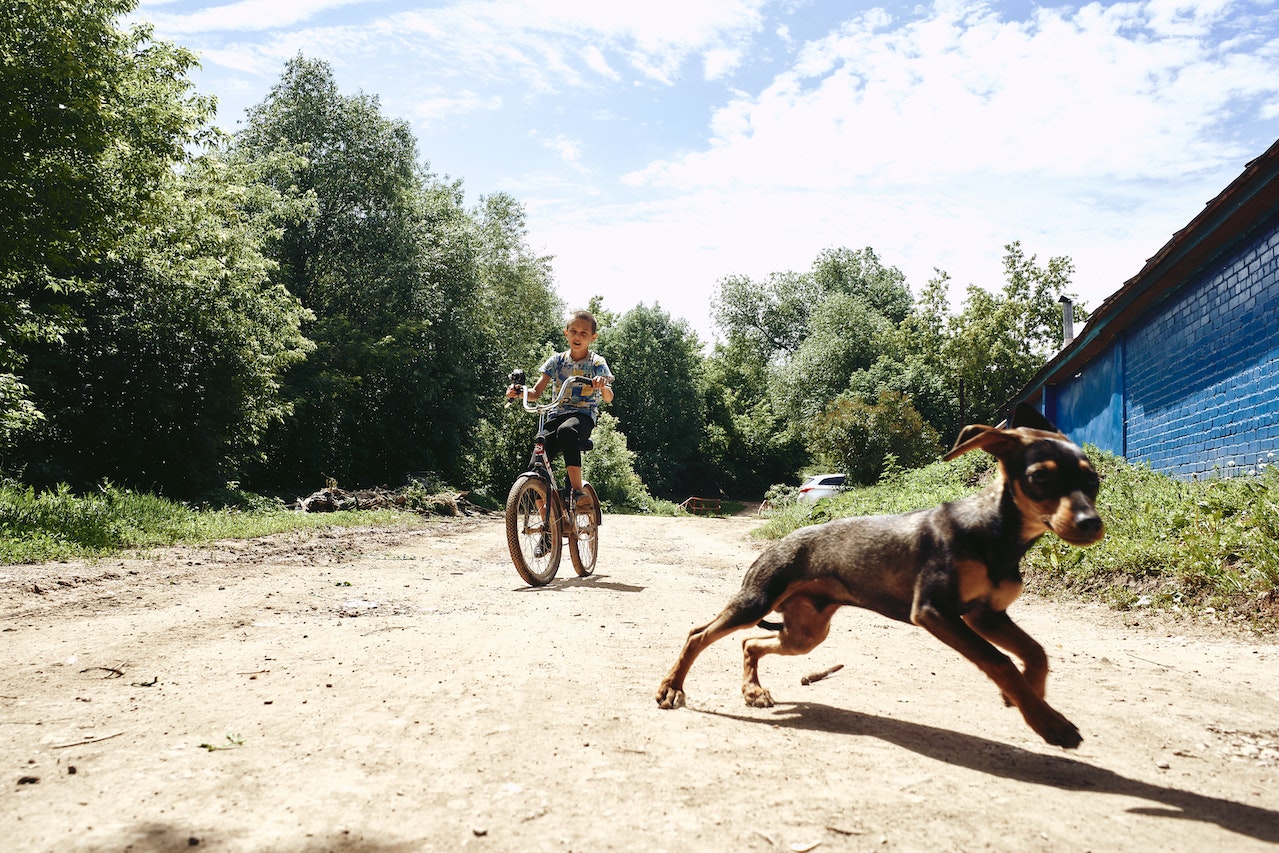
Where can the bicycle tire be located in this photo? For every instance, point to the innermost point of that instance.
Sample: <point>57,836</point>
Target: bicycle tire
<point>526,527</point>
<point>584,534</point>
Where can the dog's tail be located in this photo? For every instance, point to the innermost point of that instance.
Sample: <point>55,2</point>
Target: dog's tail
<point>769,626</point>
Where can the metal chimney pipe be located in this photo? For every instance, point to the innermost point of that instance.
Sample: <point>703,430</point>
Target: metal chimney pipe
<point>1067,321</point>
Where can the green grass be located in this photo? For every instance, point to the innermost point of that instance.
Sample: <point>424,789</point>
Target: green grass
<point>59,525</point>
<point>1205,546</point>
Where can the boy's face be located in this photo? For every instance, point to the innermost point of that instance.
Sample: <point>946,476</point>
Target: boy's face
<point>580,335</point>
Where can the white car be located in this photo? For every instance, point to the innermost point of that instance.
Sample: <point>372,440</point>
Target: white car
<point>821,486</point>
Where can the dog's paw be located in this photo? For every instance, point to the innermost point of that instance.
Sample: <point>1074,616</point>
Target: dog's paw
<point>756,696</point>
<point>669,697</point>
<point>1059,731</point>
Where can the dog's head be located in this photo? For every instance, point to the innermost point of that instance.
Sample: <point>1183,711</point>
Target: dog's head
<point>1053,483</point>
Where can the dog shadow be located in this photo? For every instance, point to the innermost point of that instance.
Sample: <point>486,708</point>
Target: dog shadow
<point>1020,765</point>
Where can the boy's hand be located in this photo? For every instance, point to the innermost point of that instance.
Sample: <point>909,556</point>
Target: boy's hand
<point>600,384</point>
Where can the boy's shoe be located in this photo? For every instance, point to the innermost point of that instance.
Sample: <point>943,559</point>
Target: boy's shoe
<point>543,546</point>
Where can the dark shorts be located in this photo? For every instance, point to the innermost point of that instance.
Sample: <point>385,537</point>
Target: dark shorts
<point>565,433</point>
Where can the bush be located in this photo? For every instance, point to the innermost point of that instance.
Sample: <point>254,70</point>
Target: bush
<point>859,438</point>
<point>610,468</point>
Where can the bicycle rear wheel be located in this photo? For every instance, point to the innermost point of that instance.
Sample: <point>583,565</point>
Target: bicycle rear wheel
<point>533,530</point>
<point>584,535</point>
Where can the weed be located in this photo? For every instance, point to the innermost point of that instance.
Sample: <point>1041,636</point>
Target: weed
<point>233,742</point>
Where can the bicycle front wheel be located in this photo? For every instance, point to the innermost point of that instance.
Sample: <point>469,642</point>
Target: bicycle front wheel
<point>584,535</point>
<point>533,530</point>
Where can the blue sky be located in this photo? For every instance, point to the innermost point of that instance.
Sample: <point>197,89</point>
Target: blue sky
<point>660,146</point>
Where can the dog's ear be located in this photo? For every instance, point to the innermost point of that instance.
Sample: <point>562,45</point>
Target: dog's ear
<point>1026,415</point>
<point>993,440</point>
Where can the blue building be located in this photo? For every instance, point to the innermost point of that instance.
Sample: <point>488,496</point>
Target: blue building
<point>1179,369</point>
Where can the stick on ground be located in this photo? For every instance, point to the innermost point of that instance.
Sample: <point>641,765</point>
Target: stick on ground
<point>818,676</point>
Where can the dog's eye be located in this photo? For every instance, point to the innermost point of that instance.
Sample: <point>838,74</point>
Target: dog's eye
<point>1041,478</point>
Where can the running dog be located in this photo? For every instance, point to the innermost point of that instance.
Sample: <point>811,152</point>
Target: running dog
<point>952,569</point>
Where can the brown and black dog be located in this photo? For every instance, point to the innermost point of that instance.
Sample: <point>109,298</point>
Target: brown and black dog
<point>953,570</point>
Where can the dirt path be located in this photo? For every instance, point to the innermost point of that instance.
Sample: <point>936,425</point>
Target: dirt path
<point>400,692</point>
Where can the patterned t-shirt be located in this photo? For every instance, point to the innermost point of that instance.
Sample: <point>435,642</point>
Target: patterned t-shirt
<point>580,398</point>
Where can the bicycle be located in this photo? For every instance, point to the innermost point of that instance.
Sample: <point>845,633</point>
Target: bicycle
<point>538,517</point>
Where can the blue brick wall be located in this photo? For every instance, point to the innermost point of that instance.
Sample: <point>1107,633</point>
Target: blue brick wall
<point>1201,371</point>
<point>1090,408</point>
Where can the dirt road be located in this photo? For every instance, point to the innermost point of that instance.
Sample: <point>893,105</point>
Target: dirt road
<point>367,691</point>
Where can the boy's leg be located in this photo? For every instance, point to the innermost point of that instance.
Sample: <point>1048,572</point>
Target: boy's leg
<point>571,432</point>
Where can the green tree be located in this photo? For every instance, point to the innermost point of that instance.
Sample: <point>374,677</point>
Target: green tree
<point>172,380</point>
<point>846,335</point>
<point>747,444</point>
<point>94,116</point>
<point>999,341</point>
<point>657,361</point>
<point>150,338</point>
<point>768,317</point>
<point>521,311</point>
<point>389,266</point>
<point>610,468</point>
<point>864,275</point>
<point>522,320</point>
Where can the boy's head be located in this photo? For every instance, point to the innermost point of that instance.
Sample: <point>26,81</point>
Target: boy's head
<point>581,332</point>
<point>583,317</point>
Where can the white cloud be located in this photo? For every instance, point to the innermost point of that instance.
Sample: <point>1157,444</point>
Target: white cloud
<point>568,150</point>
<point>966,93</point>
<point>244,15</point>
<point>719,62</point>
<point>934,133</point>
<point>435,108</point>
<point>596,61</point>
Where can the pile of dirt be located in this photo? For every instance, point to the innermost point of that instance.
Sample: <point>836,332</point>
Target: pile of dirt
<point>412,498</point>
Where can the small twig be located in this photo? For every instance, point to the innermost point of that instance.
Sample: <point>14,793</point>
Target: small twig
<point>84,742</point>
<point>842,831</point>
<point>114,673</point>
<point>388,628</point>
<point>1152,662</point>
<point>255,672</point>
<point>818,676</point>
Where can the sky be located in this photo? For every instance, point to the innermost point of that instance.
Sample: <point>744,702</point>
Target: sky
<point>660,146</point>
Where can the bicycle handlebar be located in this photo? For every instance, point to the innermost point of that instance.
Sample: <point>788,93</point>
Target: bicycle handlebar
<point>517,379</point>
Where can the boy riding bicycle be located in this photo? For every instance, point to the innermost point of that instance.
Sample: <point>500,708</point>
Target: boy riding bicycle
<point>569,424</point>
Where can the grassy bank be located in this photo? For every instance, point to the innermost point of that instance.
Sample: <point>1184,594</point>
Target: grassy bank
<point>1208,546</point>
<point>58,525</point>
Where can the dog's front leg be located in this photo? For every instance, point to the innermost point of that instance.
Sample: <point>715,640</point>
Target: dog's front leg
<point>997,627</point>
<point>1047,722</point>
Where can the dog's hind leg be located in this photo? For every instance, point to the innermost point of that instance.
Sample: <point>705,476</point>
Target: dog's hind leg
<point>742,612</point>
<point>806,622</point>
